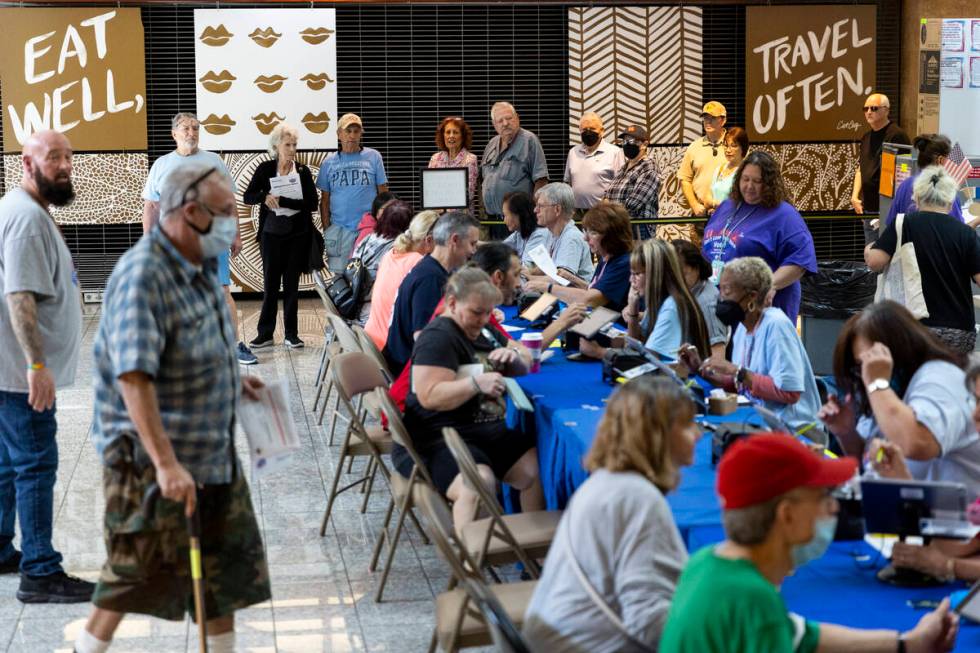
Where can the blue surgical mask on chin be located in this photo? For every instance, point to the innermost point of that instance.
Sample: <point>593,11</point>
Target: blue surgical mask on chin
<point>219,238</point>
<point>823,535</point>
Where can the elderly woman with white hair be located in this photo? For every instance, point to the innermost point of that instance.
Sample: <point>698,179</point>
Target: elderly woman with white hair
<point>948,255</point>
<point>285,228</point>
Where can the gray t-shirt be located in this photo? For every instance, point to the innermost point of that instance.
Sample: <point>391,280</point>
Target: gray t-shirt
<point>34,258</point>
<point>570,251</point>
<point>938,396</point>
<point>628,546</point>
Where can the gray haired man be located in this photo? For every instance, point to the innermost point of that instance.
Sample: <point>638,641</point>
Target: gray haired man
<point>513,161</point>
<point>166,389</point>
<point>554,206</point>
<point>185,130</point>
<point>455,235</point>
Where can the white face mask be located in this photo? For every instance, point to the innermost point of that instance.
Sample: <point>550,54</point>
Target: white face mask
<point>219,237</point>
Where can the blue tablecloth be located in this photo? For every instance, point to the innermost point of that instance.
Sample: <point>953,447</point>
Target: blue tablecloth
<point>569,398</point>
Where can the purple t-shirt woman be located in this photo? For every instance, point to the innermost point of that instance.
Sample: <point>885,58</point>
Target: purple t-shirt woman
<point>777,235</point>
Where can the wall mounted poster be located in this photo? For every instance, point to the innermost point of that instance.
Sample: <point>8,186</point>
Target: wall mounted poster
<point>808,70</point>
<point>79,71</point>
<point>256,68</point>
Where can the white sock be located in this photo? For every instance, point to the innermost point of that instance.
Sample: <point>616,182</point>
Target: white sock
<point>89,643</point>
<point>223,643</point>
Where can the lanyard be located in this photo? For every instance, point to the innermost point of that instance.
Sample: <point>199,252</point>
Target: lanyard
<point>726,232</point>
<point>597,279</point>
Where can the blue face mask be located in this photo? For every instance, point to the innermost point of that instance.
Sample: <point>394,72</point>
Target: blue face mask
<point>823,535</point>
<point>219,238</point>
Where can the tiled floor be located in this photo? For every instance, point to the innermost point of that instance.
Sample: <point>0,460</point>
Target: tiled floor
<point>323,593</point>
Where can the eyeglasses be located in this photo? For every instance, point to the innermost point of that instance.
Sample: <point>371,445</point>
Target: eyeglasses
<point>593,232</point>
<point>542,206</point>
<point>874,109</point>
<point>193,185</point>
<point>730,146</point>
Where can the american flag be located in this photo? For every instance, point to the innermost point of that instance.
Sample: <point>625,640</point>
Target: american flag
<point>957,165</point>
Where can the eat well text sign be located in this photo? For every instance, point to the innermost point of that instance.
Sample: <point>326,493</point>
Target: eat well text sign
<point>78,71</point>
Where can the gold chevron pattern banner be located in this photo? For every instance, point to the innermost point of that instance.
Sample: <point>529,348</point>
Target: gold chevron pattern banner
<point>636,65</point>
<point>256,68</point>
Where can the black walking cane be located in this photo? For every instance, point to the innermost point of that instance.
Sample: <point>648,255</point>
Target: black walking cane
<point>197,578</point>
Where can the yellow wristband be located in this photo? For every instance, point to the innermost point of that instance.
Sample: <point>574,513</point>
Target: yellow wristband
<point>35,366</point>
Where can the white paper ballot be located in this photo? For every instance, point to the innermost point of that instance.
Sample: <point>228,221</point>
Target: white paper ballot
<point>541,258</point>
<point>269,427</point>
<point>286,186</point>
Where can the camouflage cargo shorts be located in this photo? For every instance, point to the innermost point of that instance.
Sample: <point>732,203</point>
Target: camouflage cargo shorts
<point>147,570</point>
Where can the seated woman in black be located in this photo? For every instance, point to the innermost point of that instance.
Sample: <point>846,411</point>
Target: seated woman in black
<point>457,380</point>
<point>606,228</point>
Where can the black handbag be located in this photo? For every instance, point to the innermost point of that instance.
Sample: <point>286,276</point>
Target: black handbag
<point>346,289</point>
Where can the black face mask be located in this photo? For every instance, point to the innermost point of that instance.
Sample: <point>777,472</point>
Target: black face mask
<point>590,137</point>
<point>631,150</point>
<point>729,312</point>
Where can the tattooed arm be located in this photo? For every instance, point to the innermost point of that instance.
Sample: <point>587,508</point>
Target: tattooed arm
<point>23,318</point>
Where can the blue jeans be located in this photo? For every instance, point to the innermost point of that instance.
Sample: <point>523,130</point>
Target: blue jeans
<point>28,467</point>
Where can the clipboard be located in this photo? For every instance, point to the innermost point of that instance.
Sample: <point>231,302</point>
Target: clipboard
<point>596,320</point>
<point>537,309</point>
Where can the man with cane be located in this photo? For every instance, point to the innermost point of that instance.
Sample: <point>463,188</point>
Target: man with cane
<point>166,388</point>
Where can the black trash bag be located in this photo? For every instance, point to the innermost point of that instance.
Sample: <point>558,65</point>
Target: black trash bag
<point>838,290</point>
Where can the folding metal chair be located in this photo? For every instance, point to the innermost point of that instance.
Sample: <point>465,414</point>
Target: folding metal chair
<point>459,621</point>
<point>498,538</point>
<point>354,374</point>
<point>401,489</point>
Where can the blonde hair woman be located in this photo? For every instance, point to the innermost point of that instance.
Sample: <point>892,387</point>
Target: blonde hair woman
<point>409,248</point>
<point>610,574</point>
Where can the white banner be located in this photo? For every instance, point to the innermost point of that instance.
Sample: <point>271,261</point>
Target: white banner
<point>256,68</point>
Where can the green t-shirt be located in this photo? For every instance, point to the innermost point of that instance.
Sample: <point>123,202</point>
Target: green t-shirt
<point>723,606</point>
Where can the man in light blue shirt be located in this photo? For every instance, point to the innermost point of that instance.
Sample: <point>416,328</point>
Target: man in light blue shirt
<point>185,130</point>
<point>349,180</point>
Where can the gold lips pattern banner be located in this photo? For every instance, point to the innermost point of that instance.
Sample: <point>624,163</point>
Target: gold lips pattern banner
<point>256,68</point>
<point>79,71</point>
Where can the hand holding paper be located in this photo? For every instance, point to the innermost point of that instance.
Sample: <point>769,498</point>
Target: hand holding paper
<point>286,186</point>
<point>541,258</point>
<point>268,426</point>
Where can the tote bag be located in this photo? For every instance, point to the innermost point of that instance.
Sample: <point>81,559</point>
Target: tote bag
<point>901,280</point>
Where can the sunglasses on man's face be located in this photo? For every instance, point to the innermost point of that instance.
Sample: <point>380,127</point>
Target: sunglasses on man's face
<point>873,109</point>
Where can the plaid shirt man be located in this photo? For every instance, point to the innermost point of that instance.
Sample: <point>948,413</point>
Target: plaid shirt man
<point>638,189</point>
<point>167,318</point>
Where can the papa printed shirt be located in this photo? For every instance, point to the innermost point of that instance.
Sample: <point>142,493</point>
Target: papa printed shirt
<point>352,181</point>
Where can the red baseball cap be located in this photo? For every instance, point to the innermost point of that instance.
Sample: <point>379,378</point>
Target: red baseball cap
<point>766,465</point>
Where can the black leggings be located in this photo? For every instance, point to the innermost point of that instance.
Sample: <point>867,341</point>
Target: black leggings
<point>282,263</point>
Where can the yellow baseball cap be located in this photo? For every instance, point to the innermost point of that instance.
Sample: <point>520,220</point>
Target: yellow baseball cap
<point>714,109</point>
<point>350,119</point>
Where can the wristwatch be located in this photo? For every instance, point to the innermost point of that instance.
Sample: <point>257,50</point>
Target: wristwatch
<point>549,288</point>
<point>876,385</point>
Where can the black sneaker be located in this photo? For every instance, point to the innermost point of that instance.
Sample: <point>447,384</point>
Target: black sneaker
<point>54,588</point>
<point>294,342</point>
<point>12,564</point>
<point>261,343</point>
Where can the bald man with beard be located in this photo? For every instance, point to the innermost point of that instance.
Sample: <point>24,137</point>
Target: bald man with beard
<point>864,197</point>
<point>40,336</point>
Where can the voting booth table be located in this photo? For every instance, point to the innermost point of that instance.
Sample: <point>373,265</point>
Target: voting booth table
<point>569,399</point>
